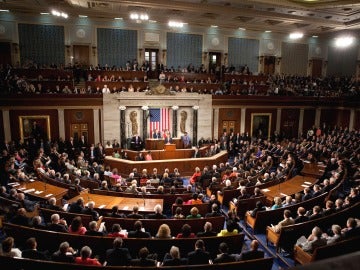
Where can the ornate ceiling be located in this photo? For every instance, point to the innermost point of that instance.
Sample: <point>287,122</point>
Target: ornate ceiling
<point>313,17</point>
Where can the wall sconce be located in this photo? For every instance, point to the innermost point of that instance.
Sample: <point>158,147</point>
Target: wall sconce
<point>94,50</point>
<point>15,48</point>
<point>278,60</point>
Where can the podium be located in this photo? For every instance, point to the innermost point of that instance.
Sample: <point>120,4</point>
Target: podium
<point>170,147</point>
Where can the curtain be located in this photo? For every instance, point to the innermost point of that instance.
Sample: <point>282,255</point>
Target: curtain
<point>294,58</point>
<point>242,51</point>
<point>342,61</point>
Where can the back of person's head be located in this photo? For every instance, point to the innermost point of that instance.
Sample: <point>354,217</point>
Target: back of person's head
<point>301,211</point>
<point>230,225</point>
<point>36,220</point>
<point>31,243</point>
<point>85,252</point>
<point>93,225</point>
<point>316,231</point>
<point>114,209</point>
<point>287,213</point>
<point>118,242</point>
<point>175,252</point>
<point>351,222</point>
<point>158,209</point>
<point>55,218</point>
<point>316,209</point>
<point>200,244</point>
<point>195,196</point>
<point>116,228</point>
<point>254,245</point>
<point>63,248</point>
<point>143,253</point>
<point>194,211</point>
<point>259,204</point>
<point>135,209</point>
<point>137,225</point>
<point>186,230</point>
<point>7,244</point>
<point>208,226</point>
<point>223,247</point>
<point>214,207</point>
<point>76,223</point>
<point>178,211</point>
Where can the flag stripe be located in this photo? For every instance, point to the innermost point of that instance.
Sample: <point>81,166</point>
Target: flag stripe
<point>159,119</point>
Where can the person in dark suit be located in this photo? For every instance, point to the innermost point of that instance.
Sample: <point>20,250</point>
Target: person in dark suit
<point>208,231</point>
<point>64,254</point>
<point>167,139</point>
<point>158,213</point>
<point>77,207</point>
<point>118,256</point>
<point>224,255</point>
<point>351,230</point>
<point>57,224</point>
<point>253,253</point>
<point>138,231</point>
<point>93,230</point>
<point>31,251</point>
<point>135,213</point>
<point>143,261</point>
<point>136,143</point>
<point>173,258</point>
<point>156,134</point>
<point>20,218</point>
<point>199,255</point>
<point>89,210</point>
<point>301,215</point>
<point>214,211</point>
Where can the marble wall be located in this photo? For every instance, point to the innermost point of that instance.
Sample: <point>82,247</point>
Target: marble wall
<point>134,102</point>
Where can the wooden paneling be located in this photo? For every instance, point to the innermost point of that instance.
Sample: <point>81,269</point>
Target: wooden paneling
<point>230,114</point>
<point>317,67</point>
<point>80,116</point>
<point>81,54</point>
<point>2,135</point>
<point>14,121</point>
<point>335,117</point>
<point>273,113</point>
<point>290,122</point>
<point>5,53</point>
<point>309,119</point>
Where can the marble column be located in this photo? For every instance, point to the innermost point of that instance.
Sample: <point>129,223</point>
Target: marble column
<point>144,118</point>
<point>278,121</point>
<point>195,120</point>
<point>96,126</point>
<point>174,121</point>
<point>317,117</point>
<point>301,122</point>
<point>352,119</point>
<point>216,122</point>
<point>61,123</point>
<point>242,120</point>
<point>122,126</point>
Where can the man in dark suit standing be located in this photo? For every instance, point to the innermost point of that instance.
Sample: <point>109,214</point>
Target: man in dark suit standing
<point>118,256</point>
<point>156,134</point>
<point>136,143</point>
<point>199,255</point>
<point>224,256</point>
<point>253,253</point>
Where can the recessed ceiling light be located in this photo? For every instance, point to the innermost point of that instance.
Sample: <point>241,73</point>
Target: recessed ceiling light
<point>214,26</point>
<point>241,28</point>
<point>4,10</point>
<point>315,36</point>
<point>152,21</point>
<point>267,31</point>
<point>296,35</point>
<point>44,13</point>
<point>343,42</point>
<point>118,18</point>
<point>83,16</point>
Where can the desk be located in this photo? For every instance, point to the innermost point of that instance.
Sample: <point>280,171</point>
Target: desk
<point>289,187</point>
<point>124,203</point>
<point>158,144</point>
<point>186,165</point>
<point>41,191</point>
<point>313,169</point>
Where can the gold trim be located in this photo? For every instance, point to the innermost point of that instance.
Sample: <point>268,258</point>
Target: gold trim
<point>253,115</point>
<point>34,117</point>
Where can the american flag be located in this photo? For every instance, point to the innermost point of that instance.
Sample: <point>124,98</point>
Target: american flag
<point>159,119</point>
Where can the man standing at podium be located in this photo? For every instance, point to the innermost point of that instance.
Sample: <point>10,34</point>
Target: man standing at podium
<point>167,138</point>
<point>156,134</point>
<point>136,143</point>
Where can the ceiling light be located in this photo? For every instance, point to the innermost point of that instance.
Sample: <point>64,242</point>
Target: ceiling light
<point>118,18</point>
<point>296,35</point>
<point>44,13</point>
<point>268,31</point>
<point>83,16</point>
<point>4,10</point>
<point>141,17</point>
<point>343,42</point>
<point>176,24</point>
<point>59,14</point>
<point>152,21</point>
<point>315,36</point>
<point>242,28</point>
<point>214,26</point>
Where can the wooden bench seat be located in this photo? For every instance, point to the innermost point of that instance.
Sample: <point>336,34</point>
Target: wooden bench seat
<point>51,240</point>
<point>328,251</point>
<point>242,206</point>
<point>151,225</point>
<point>203,208</point>
<point>8,263</point>
<point>288,235</point>
<point>266,218</point>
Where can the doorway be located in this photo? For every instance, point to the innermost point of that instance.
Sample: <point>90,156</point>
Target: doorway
<point>151,57</point>
<point>81,55</point>
<point>316,67</point>
<point>227,126</point>
<point>215,63</point>
<point>269,64</point>
<point>5,53</point>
